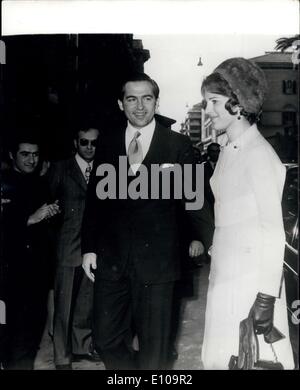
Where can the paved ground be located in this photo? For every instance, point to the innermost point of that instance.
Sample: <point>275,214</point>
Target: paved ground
<point>189,338</point>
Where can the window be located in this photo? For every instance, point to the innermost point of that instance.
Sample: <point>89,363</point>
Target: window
<point>289,118</point>
<point>289,87</point>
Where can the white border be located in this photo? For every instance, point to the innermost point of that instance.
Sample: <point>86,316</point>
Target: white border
<point>144,17</point>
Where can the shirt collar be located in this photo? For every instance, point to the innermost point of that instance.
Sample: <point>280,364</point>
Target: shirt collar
<point>82,163</point>
<point>145,131</point>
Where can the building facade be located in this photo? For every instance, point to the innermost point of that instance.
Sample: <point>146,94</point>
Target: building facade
<point>193,123</point>
<point>280,112</point>
<point>198,127</point>
<point>279,121</point>
<point>60,78</point>
<point>281,108</point>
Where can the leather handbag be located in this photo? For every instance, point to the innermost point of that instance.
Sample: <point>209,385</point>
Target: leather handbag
<point>259,364</point>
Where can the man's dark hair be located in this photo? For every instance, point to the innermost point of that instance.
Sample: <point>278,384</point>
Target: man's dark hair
<point>139,76</point>
<point>85,124</point>
<point>84,130</point>
<point>27,129</point>
<point>213,145</point>
<point>26,137</point>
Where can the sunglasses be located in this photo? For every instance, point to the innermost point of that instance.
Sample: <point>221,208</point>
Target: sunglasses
<point>86,142</point>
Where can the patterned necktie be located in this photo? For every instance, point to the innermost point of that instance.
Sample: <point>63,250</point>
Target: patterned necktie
<point>135,152</point>
<point>87,173</point>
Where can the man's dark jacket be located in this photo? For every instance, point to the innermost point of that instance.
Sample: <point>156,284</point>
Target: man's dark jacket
<point>68,186</point>
<point>142,232</point>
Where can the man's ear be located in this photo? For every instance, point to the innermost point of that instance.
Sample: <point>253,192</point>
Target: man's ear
<point>157,104</point>
<point>11,155</point>
<point>120,105</point>
<point>75,144</point>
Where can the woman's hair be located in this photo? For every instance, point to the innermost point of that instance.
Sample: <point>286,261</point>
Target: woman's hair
<point>215,83</point>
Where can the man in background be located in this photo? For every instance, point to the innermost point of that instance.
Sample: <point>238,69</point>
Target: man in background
<point>25,251</point>
<point>73,291</point>
<point>213,151</point>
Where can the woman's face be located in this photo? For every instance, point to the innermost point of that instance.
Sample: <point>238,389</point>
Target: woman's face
<point>215,109</point>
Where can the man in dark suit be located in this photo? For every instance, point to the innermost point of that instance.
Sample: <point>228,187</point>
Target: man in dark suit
<point>26,251</point>
<point>130,243</point>
<point>73,291</point>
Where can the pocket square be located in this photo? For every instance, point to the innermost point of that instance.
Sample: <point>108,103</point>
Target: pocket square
<point>166,165</point>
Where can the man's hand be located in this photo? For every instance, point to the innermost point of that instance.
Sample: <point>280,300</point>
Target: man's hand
<point>53,209</point>
<point>44,212</point>
<point>89,261</point>
<point>209,251</point>
<point>196,248</point>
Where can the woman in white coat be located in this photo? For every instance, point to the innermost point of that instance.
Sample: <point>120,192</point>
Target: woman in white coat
<point>249,239</point>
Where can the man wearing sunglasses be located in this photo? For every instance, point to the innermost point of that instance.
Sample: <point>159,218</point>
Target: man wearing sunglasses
<point>72,290</point>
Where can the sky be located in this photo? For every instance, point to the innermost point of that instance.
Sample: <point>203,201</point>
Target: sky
<point>177,33</point>
<point>174,58</point>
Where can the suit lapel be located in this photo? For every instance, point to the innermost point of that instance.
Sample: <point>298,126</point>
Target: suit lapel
<point>122,145</point>
<point>158,153</point>
<point>76,174</point>
<point>157,147</point>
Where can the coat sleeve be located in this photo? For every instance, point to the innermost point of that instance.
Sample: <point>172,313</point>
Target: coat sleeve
<point>267,176</point>
<point>92,222</point>
<point>54,177</point>
<point>200,218</point>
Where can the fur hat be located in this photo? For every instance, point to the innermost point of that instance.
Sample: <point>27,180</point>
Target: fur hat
<point>247,81</point>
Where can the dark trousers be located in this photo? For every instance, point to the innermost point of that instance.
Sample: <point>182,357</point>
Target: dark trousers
<point>120,306</point>
<point>26,316</point>
<point>73,300</point>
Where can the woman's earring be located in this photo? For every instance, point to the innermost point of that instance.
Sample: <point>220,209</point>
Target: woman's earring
<point>239,114</point>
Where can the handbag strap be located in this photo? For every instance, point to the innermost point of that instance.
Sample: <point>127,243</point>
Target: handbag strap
<point>274,353</point>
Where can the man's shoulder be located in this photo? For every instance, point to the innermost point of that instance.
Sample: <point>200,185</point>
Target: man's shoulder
<point>172,135</point>
<point>7,174</point>
<point>9,179</point>
<point>60,168</point>
<point>112,134</point>
<point>60,164</point>
<point>206,164</point>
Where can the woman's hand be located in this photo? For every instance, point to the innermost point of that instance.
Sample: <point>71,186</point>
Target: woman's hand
<point>262,313</point>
